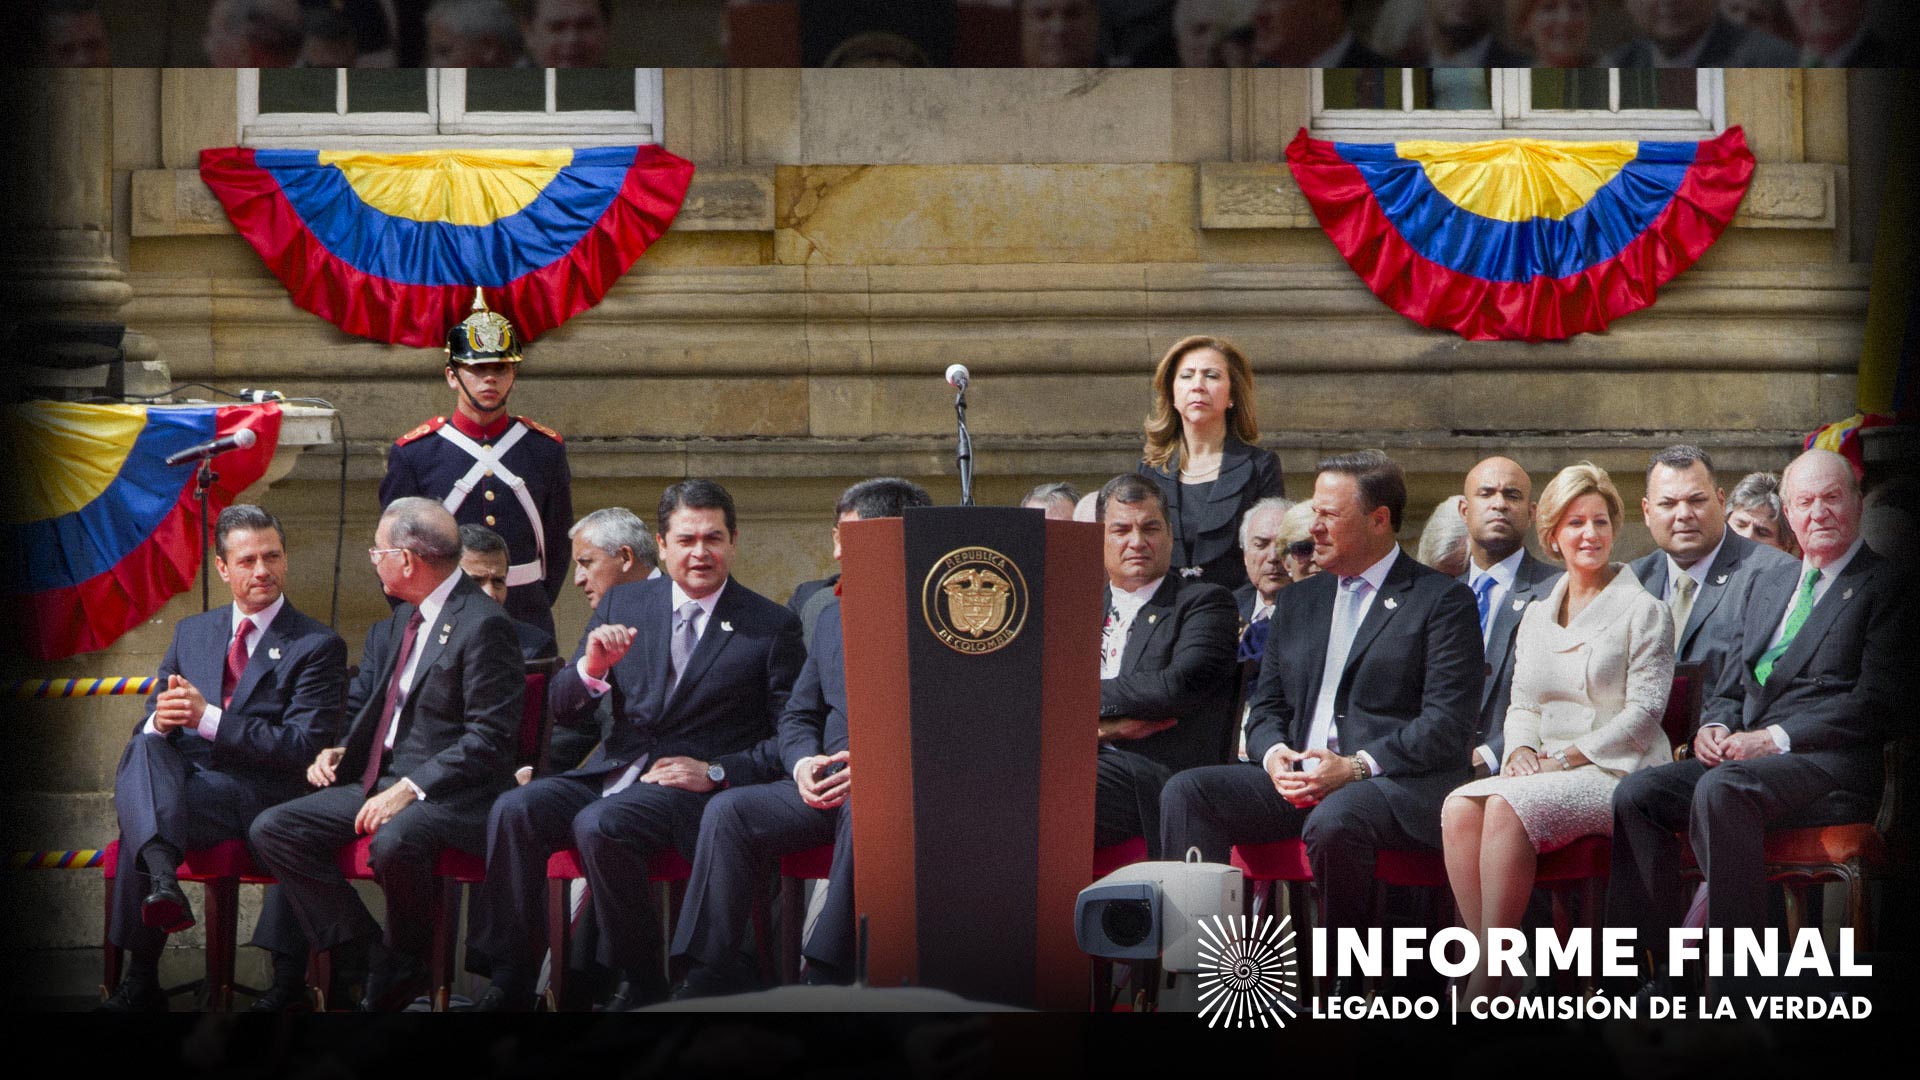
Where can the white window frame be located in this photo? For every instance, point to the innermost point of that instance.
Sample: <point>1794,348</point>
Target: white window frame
<point>447,122</point>
<point>1513,114</point>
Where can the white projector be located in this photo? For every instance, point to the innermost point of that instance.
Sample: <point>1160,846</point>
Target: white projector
<point>1154,909</point>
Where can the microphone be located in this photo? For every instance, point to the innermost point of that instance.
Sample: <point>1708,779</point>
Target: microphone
<point>239,440</point>
<point>957,377</point>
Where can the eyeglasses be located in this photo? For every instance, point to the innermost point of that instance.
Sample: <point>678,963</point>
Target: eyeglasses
<point>373,554</point>
<point>1300,549</point>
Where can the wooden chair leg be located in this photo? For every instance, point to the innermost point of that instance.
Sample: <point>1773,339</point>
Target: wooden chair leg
<point>669,918</point>
<point>1593,900</point>
<point>223,917</point>
<point>793,918</point>
<point>1858,914</point>
<point>559,943</point>
<point>446,926</point>
<point>320,974</point>
<point>1796,907</point>
<point>765,950</point>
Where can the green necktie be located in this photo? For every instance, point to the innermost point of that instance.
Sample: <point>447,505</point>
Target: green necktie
<point>1802,607</point>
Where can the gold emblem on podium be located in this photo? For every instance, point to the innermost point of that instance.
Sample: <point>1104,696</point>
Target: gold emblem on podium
<point>974,600</point>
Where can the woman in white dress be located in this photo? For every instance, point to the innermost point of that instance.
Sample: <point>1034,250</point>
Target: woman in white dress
<point>1592,666</point>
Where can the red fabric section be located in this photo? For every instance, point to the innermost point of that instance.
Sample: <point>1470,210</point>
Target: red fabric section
<point>1544,309</point>
<point>418,315</point>
<point>666,865</point>
<point>93,614</point>
<point>1114,856</point>
<point>1587,857</point>
<point>815,863</point>
<point>1425,869</point>
<point>1282,860</point>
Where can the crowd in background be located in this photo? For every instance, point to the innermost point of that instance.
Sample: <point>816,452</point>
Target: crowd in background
<point>987,33</point>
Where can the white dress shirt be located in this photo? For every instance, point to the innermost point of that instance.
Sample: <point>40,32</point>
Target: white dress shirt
<point>1698,572</point>
<point>1126,605</point>
<point>598,687</point>
<point>209,725</point>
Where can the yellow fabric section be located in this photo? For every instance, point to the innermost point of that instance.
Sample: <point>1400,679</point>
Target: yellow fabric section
<point>1519,179</point>
<point>64,455</point>
<point>460,187</point>
<point>1834,434</point>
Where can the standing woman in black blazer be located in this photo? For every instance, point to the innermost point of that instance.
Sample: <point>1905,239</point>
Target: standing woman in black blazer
<point>1202,449</point>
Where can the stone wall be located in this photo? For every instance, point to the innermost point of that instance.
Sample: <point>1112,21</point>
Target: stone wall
<point>849,234</point>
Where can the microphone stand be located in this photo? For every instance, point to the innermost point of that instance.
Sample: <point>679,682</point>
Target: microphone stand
<point>203,479</point>
<point>964,453</point>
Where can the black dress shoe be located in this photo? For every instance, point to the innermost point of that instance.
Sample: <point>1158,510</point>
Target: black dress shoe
<point>280,998</point>
<point>166,907</point>
<point>633,994</point>
<point>394,984</point>
<point>134,996</point>
<point>497,999</point>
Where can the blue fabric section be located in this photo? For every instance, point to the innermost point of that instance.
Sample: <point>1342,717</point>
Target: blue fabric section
<point>1491,250</point>
<point>435,252</point>
<point>67,550</point>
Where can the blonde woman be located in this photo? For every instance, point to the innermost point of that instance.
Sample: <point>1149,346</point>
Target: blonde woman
<point>1203,451</point>
<point>1592,666</point>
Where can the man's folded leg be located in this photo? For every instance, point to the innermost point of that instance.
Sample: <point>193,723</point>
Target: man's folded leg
<point>524,827</point>
<point>617,836</point>
<point>1216,807</point>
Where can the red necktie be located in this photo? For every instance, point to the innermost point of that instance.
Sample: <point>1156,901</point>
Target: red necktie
<point>236,661</point>
<point>375,752</point>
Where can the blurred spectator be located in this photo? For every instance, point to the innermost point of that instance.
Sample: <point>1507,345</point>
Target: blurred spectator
<point>472,33</point>
<point>1083,510</point>
<point>1463,34</point>
<point>1559,32</point>
<point>253,33</point>
<point>1059,34</point>
<point>1200,27</point>
<point>1236,47</point>
<point>1056,499</point>
<point>876,48</point>
<point>73,33</point>
<point>1766,16</point>
<point>1754,511</point>
<point>1890,520</point>
<point>329,40</point>
<point>1692,34</point>
<point>1308,33</point>
<point>1296,531</point>
<point>1443,543</point>
<point>568,33</point>
<point>369,26</point>
<point>1137,33</point>
<point>1834,33</point>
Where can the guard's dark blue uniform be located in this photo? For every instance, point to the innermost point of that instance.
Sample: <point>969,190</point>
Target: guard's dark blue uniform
<point>440,458</point>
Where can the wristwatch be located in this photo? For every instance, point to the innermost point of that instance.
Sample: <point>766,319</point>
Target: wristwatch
<point>1561,757</point>
<point>1359,768</point>
<point>717,773</point>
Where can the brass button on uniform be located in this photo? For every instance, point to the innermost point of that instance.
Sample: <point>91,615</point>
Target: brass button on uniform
<point>487,473</point>
<point>489,519</point>
<point>489,496</point>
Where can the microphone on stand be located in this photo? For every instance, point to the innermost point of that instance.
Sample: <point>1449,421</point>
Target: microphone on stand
<point>958,378</point>
<point>239,440</point>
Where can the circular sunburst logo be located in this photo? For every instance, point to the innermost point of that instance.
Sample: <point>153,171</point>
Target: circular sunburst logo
<point>1249,971</point>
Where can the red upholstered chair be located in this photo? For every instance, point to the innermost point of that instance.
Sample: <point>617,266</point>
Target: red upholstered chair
<point>813,864</point>
<point>222,868</point>
<point>667,871</point>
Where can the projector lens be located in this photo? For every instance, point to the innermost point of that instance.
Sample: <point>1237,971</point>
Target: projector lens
<point>1126,922</point>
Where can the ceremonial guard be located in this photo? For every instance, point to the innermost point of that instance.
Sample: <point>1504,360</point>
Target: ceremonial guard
<point>489,468</point>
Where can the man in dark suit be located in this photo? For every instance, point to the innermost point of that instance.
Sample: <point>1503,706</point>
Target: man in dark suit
<point>1465,34</point>
<point>434,710</point>
<point>1167,667</point>
<point>248,693</point>
<point>1365,712</point>
<point>700,667</point>
<point>1700,562</point>
<point>1266,558</point>
<point>1504,579</point>
<point>1692,33</point>
<point>1834,33</point>
<point>745,828</point>
<point>864,500</point>
<point>483,558</point>
<point>1308,33</point>
<point>1795,727</point>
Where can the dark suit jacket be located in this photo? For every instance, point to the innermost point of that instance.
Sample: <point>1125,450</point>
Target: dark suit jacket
<point>1533,581</point>
<point>1728,45</point>
<point>1713,624</point>
<point>1839,688</point>
<point>723,710</point>
<point>815,719</point>
<point>1179,663</point>
<point>285,708</point>
<point>535,642</point>
<point>1247,475</point>
<point>1407,696</point>
<point>457,726</point>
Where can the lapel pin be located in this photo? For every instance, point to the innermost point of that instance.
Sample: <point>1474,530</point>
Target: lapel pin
<point>1391,603</point>
<point>1721,580</point>
<point>447,629</point>
<point>1151,619</point>
<point>1519,605</point>
<point>1848,595</point>
<point>273,653</point>
<point>443,639</point>
<point>727,626</point>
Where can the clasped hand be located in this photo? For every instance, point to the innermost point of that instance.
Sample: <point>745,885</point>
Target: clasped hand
<point>1326,772</point>
<point>181,704</point>
<point>821,791</point>
<point>1714,744</point>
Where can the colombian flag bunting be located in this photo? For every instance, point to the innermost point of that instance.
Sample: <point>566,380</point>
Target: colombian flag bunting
<point>1521,238</point>
<point>391,246</point>
<point>103,532</point>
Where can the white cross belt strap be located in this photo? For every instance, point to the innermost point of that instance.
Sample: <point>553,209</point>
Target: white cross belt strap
<point>483,460</point>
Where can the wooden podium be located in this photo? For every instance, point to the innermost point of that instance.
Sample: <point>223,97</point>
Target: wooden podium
<point>973,699</point>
